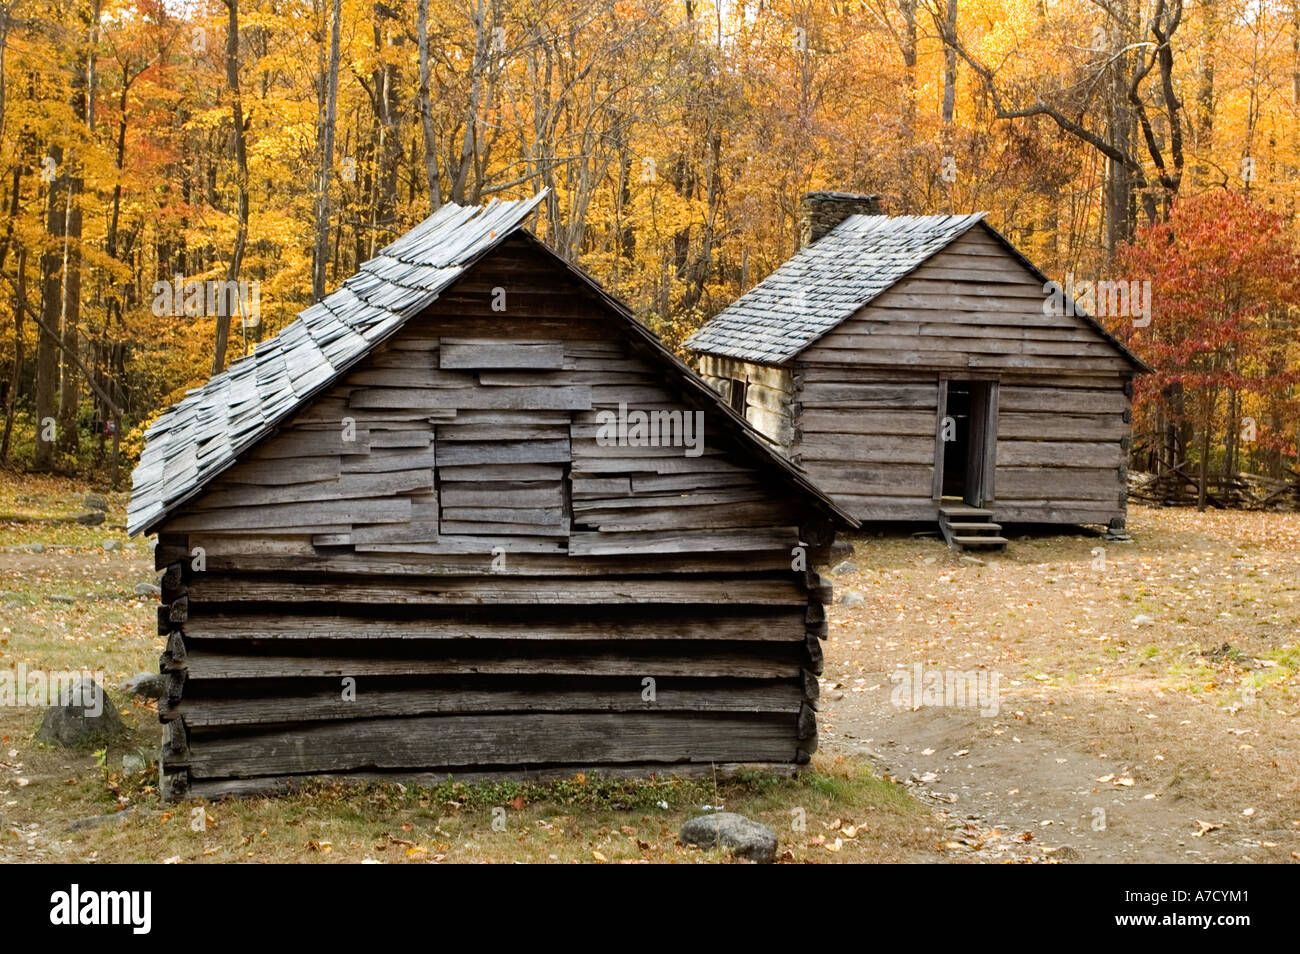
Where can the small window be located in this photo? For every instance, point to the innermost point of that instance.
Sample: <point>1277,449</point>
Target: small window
<point>738,389</point>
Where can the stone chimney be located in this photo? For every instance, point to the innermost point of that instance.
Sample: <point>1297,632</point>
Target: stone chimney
<point>819,212</point>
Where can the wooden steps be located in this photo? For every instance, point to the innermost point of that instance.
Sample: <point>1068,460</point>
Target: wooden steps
<point>970,528</point>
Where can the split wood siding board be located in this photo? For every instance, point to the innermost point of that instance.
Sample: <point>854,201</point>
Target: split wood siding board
<point>373,702</point>
<point>1037,483</point>
<point>331,443</point>
<point>869,448</point>
<point>482,740</point>
<point>572,398</point>
<point>203,665</point>
<point>1066,454</point>
<point>750,590</point>
<point>504,452</point>
<point>858,396</point>
<point>1066,427</point>
<point>391,483</point>
<point>890,508</point>
<point>867,421</point>
<point>1056,511</point>
<point>329,513</point>
<point>629,543</point>
<point>762,625</point>
<point>471,354</point>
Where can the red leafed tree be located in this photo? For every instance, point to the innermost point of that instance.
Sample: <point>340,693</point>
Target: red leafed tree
<point>1225,285</point>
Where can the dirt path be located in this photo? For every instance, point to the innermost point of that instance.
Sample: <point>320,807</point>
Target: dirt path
<point>1113,740</point>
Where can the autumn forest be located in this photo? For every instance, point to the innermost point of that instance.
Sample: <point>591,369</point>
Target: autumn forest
<point>179,178</point>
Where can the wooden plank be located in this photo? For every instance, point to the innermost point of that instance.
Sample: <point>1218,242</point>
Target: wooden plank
<point>751,590</point>
<point>345,487</point>
<point>1059,454</point>
<point>300,471</point>
<point>683,541</point>
<point>503,452</point>
<point>326,443</point>
<point>370,703</point>
<point>332,515</point>
<point>498,354</point>
<point>485,740</point>
<point>573,398</point>
<point>780,625</point>
<point>205,665</point>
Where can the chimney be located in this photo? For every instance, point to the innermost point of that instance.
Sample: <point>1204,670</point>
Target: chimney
<point>819,212</point>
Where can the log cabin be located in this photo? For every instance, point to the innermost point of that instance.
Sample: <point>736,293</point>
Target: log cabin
<point>466,516</point>
<point>920,368</point>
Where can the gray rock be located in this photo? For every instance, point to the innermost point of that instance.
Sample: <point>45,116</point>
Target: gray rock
<point>91,519</point>
<point>62,598</point>
<point>81,715</point>
<point>95,501</point>
<point>111,545</point>
<point>848,566</point>
<point>147,589</point>
<point>32,547</point>
<point>746,838</point>
<point>150,685</point>
<point>132,763</point>
<point>852,598</point>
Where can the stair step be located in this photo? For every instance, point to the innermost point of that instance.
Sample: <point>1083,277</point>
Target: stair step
<point>959,512</point>
<point>975,526</point>
<point>981,541</point>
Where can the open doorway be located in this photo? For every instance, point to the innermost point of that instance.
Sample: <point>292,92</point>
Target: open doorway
<point>967,441</point>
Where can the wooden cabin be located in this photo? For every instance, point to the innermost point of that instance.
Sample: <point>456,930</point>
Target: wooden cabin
<point>467,517</point>
<point>918,369</point>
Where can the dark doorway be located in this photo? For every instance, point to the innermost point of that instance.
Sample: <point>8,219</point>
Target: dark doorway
<point>968,432</point>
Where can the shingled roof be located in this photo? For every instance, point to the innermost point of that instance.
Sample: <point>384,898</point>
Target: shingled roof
<point>205,432</point>
<point>829,280</point>
<point>824,283</point>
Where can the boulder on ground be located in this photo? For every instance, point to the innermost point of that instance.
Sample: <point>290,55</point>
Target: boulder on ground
<point>91,518</point>
<point>852,598</point>
<point>82,714</point>
<point>94,501</point>
<point>150,685</point>
<point>147,589</point>
<point>746,838</point>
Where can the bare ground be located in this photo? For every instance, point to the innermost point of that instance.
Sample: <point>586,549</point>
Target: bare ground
<point>1125,731</point>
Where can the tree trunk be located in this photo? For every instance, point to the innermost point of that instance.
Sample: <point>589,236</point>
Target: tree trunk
<point>320,257</point>
<point>20,306</point>
<point>47,346</point>
<point>426,110</point>
<point>241,180</point>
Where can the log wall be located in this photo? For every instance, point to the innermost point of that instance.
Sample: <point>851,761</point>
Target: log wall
<point>441,567</point>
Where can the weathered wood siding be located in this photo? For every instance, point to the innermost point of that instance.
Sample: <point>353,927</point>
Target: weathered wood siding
<point>445,529</point>
<point>1062,449</point>
<point>862,409</point>
<point>768,393</point>
<point>973,307</point>
<point>866,436</point>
